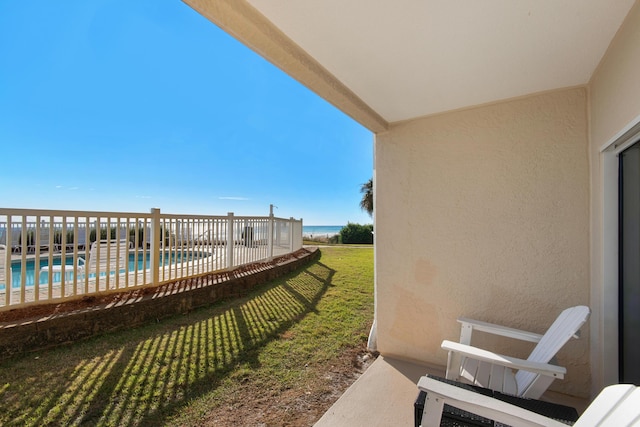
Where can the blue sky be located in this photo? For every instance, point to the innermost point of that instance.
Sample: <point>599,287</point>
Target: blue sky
<point>123,105</point>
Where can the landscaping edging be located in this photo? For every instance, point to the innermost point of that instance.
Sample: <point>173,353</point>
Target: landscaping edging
<point>144,305</point>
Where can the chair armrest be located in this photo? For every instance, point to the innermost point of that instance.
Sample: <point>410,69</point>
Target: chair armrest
<point>616,405</point>
<point>491,328</point>
<point>506,361</point>
<point>478,404</point>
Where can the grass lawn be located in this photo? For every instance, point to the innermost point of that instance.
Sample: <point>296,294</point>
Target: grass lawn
<point>279,356</point>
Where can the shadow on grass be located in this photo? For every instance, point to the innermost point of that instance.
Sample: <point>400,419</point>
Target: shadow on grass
<point>141,376</point>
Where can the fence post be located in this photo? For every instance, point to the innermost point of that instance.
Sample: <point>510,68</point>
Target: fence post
<point>154,259</point>
<point>270,233</point>
<point>299,228</point>
<point>230,242</point>
<point>291,224</point>
<point>7,263</point>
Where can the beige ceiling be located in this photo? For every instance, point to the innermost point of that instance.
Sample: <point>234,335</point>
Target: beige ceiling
<point>409,58</point>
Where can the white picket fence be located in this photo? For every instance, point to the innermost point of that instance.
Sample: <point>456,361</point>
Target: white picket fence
<point>48,256</point>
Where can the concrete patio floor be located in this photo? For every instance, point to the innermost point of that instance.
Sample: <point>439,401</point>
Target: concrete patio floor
<point>385,393</point>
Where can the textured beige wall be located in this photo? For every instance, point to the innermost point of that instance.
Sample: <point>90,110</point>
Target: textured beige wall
<point>484,213</point>
<point>615,86</point>
<point>614,96</point>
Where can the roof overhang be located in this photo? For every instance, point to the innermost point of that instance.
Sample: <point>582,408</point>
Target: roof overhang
<point>383,62</point>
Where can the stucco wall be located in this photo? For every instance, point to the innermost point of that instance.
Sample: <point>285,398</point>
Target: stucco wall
<point>484,213</point>
<point>615,86</point>
<point>614,97</point>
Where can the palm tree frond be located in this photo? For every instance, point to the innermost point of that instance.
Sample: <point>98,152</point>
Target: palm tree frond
<point>367,197</point>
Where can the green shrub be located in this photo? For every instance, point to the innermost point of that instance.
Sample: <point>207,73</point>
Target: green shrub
<point>335,239</point>
<point>356,233</point>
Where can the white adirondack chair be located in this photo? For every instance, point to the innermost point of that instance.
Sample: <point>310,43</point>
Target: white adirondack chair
<point>525,378</point>
<point>616,406</point>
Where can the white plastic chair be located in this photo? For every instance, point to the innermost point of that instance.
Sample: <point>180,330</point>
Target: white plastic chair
<point>108,256</point>
<point>616,406</point>
<point>105,257</point>
<point>525,378</point>
<point>78,269</point>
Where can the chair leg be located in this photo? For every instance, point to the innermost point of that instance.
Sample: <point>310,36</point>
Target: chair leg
<point>432,414</point>
<point>454,362</point>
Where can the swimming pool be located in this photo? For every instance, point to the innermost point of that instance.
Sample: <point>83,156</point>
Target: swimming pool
<point>32,272</point>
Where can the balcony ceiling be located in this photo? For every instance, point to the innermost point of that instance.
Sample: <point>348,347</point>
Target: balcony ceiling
<point>410,58</point>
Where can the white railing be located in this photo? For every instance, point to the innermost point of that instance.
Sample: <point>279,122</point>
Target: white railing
<point>48,255</point>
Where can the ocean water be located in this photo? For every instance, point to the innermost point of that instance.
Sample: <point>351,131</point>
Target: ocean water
<point>321,230</point>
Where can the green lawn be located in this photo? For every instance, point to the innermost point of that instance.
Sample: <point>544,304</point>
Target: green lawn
<point>182,370</point>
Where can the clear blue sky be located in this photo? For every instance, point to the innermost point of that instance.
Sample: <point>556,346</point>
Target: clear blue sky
<point>126,105</point>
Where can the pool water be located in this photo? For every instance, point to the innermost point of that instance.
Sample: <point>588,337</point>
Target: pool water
<point>32,272</point>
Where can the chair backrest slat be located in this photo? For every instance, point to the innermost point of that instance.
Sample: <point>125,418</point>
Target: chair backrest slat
<point>112,256</point>
<point>563,328</point>
<point>615,406</point>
